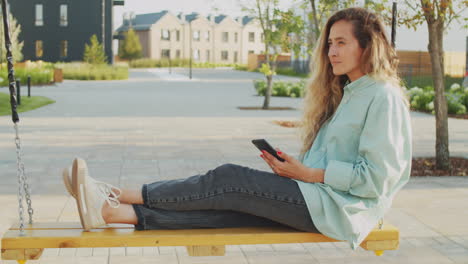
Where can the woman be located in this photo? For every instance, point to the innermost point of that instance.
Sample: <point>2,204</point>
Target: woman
<point>356,155</point>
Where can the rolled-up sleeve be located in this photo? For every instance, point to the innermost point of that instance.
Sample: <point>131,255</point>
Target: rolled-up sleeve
<point>384,153</point>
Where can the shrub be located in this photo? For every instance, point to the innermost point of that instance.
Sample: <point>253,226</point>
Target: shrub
<point>423,99</point>
<point>281,88</point>
<point>94,52</point>
<point>84,71</point>
<point>260,86</point>
<point>130,47</point>
<point>420,99</point>
<point>240,67</point>
<point>38,76</point>
<point>153,63</point>
<point>454,104</point>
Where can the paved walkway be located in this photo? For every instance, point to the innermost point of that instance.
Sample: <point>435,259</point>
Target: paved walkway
<point>148,129</point>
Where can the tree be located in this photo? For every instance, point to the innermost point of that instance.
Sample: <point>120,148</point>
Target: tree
<point>437,14</point>
<point>17,46</point>
<point>276,26</point>
<point>94,52</point>
<point>130,48</point>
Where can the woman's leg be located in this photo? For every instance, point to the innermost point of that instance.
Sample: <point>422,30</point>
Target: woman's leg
<point>124,214</point>
<point>225,189</point>
<point>131,196</point>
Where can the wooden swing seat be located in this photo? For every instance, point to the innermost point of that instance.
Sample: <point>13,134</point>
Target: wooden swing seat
<point>199,242</point>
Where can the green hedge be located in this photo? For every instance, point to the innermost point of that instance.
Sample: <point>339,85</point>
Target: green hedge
<point>38,75</point>
<point>424,81</point>
<point>423,99</point>
<point>84,71</point>
<point>153,63</point>
<point>281,88</point>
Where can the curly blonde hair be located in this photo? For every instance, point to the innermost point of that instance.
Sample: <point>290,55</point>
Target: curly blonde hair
<point>324,90</point>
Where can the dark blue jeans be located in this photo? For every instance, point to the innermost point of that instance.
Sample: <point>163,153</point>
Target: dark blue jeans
<point>228,196</point>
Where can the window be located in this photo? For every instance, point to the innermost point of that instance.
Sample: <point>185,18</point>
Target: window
<point>39,49</point>
<point>207,55</point>
<point>235,56</point>
<point>166,54</point>
<point>196,35</point>
<point>207,36</point>
<point>63,48</point>
<point>178,35</point>
<point>251,36</point>
<point>39,20</point>
<point>235,37</point>
<point>251,52</point>
<point>63,15</point>
<point>224,55</point>
<point>196,54</point>
<point>165,34</point>
<point>225,37</point>
<point>177,54</point>
<point>262,37</point>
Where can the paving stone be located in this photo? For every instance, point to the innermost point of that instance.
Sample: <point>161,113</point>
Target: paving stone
<point>117,251</point>
<point>101,251</point>
<point>133,251</point>
<point>161,259</point>
<point>281,259</point>
<point>84,252</point>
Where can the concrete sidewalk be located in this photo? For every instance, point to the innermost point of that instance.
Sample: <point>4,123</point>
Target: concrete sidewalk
<point>170,133</point>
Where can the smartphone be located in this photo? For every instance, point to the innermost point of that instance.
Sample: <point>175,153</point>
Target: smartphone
<point>262,144</point>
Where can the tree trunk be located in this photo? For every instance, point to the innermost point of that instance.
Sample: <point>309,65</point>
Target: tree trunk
<point>436,51</point>
<point>316,23</point>
<point>266,102</point>
<point>269,78</point>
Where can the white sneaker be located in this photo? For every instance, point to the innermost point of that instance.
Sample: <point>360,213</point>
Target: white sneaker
<point>91,195</point>
<point>67,181</point>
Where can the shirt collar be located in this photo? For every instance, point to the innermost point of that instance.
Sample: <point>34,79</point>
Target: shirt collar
<point>363,81</point>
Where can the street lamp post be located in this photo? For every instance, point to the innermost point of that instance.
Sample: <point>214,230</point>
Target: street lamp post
<point>191,51</point>
<point>394,19</point>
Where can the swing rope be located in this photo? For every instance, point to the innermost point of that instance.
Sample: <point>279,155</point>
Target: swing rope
<point>23,187</point>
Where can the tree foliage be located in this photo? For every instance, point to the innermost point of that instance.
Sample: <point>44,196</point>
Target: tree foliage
<point>17,46</point>
<point>278,28</point>
<point>94,52</point>
<point>130,48</point>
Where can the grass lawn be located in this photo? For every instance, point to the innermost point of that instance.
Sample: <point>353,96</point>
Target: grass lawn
<point>27,104</point>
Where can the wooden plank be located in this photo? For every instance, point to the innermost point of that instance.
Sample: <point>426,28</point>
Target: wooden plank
<point>67,225</point>
<point>199,251</point>
<point>381,245</point>
<point>22,254</point>
<point>112,237</point>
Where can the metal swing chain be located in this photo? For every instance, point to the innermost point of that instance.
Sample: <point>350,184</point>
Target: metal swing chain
<point>24,189</point>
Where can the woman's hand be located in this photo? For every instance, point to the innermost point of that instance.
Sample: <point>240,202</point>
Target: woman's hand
<point>292,168</point>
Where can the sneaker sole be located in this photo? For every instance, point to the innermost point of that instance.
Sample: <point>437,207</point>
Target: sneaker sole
<point>78,178</point>
<point>68,182</point>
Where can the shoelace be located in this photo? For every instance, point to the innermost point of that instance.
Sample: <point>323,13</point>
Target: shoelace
<point>107,192</point>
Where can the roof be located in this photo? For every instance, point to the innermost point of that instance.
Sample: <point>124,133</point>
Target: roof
<point>219,18</point>
<point>246,20</point>
<point>143,21</point>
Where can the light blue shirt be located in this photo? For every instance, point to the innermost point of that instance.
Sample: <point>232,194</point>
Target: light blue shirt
<point>365,149</point>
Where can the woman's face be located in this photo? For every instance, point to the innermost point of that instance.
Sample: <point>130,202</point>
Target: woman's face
<point>344,51</point>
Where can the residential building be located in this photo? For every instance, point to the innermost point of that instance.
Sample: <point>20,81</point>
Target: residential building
<point>215,39</point>
<point>57,30</point>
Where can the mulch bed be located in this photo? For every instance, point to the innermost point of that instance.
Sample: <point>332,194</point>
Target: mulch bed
<point>420,166</point>
<point>426,167</point>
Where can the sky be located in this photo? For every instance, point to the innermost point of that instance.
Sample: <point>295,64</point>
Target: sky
<point>406,39</point>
